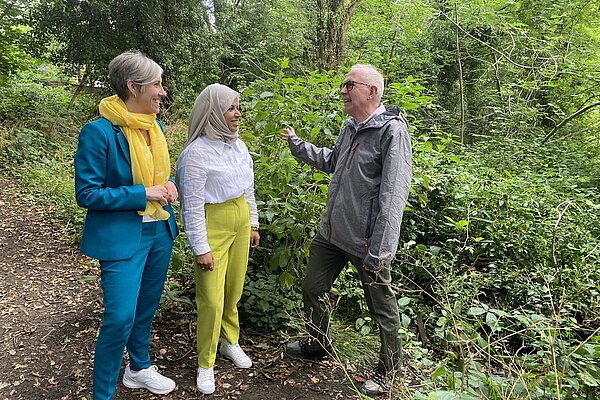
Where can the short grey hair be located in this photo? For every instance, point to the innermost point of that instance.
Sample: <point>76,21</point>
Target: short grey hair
<point>132,66</point>
<point>371,76</point>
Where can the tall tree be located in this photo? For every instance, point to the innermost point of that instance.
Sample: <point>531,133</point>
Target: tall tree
<point>85,35</point>
<point>331,25</point>
<point>251,34</point>
<point>11,55</point>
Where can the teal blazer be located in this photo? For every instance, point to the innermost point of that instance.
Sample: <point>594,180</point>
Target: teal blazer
<point>104,186</point>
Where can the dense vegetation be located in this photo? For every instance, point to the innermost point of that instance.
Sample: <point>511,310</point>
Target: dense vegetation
<point>498,271</point>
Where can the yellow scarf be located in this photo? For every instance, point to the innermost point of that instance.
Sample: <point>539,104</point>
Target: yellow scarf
<point>149,167</point>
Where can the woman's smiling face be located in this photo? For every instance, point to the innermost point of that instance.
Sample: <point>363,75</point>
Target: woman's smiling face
<point>148,101</point>
<point>232,116</point>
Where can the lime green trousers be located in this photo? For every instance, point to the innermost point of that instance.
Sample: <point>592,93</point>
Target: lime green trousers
<point>218,291</point>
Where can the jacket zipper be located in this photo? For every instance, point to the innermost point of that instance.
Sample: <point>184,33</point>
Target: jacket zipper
<point>351,154</point>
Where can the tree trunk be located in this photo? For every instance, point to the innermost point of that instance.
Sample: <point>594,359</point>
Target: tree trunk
<point>84,78</point>
<point>461,83</point>
<point>333,18</point>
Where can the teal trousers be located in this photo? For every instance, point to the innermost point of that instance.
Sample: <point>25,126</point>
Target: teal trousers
<point>131,291</point>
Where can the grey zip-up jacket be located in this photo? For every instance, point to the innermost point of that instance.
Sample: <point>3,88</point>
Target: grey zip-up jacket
<point>372,171</point>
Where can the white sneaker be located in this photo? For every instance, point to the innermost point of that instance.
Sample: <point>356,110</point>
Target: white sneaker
<point>205,380</point>
<point>235,353</point>
<point>148,378</point>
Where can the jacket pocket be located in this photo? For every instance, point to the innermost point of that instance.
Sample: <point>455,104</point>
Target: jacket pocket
<point>368,229</point>
<point>372,213</point>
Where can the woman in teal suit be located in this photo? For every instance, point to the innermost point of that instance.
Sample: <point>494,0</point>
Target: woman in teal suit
<point>122,171</point>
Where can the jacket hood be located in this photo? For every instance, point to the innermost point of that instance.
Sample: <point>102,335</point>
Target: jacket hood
<point>391,112</point>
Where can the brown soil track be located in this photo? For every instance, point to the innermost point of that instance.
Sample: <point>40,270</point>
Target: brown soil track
<point>50,314</point>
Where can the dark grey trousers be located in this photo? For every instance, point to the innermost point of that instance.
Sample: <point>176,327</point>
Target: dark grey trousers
<point>325,263</point>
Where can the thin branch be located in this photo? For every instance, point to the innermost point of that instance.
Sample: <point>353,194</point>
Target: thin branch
<point>577,113</point>
<point>460,81</point>
<point>561,213</point>
<point>516,64</point>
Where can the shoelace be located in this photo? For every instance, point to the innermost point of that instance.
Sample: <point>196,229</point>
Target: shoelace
<point>303,345</point>
<point>148,372</point>
<point>206,374</point>
<point>237,351</point>
<point>379,378</point>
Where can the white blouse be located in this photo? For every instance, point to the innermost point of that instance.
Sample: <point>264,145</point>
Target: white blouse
<point>212,171</point>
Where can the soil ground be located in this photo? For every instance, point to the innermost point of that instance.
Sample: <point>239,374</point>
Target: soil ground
<point>50,313</point>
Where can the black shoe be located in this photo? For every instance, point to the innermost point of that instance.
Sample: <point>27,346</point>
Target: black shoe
<point>375,386</point>
<point>302,349</point>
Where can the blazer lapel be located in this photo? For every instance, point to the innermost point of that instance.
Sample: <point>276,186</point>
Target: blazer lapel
<point>123,144</point>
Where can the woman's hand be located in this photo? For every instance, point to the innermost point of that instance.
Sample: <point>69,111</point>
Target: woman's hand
<point>254,239</point>
<point>172,193</point>
<point>287,132</point>
<point>205,261</point>
<point>157,193</point>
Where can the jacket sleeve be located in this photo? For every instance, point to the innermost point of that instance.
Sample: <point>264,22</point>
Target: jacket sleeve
<point>396,177</point>
<point>91,168</point>
<point>191,178</point>
<point>321,158</point>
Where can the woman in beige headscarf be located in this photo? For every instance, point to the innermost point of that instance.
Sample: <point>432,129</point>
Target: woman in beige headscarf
<point>216,184</point>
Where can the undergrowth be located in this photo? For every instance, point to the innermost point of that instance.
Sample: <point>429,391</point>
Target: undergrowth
<point>497,275</point>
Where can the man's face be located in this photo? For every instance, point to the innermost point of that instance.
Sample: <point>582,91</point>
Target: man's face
<point>355,94</point>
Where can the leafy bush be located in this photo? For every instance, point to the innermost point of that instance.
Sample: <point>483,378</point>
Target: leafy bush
<point>503,253</point>
<point>266,303</point>
<point>291,195</point>
<point>39,136</point>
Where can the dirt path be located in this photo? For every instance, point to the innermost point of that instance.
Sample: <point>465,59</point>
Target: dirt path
<point>49,317</point>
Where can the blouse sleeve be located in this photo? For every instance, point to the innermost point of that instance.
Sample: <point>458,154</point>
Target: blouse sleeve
<point>191,179</point>
<point>249,194</point>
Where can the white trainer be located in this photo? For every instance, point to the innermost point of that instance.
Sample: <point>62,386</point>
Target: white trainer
<point>148,378</point>
<point>205,380</point>
<point>235,353</point>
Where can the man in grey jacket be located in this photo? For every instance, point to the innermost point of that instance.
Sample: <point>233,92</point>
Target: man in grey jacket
<point>371,167</point>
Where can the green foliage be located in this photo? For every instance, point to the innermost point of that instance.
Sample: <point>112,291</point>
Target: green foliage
<point>503,253</point>
<point>32,98</point>
<point>39,135</point>
<point>12,57</point>
<point>266,303</point>
<point>291,195</point>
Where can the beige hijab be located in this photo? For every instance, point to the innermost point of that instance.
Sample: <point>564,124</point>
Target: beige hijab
<point>207,115</point>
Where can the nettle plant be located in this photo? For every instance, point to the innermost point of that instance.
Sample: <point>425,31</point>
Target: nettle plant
<point>291,195</point>
<point>512,294</point>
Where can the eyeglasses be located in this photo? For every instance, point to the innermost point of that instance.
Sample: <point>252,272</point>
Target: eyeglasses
<point>349,85</point>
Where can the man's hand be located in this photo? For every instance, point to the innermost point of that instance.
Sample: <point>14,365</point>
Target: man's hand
<point>205,261</point>
<point>287,132</point>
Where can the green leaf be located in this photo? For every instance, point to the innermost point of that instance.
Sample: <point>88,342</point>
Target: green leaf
<point>441,370</point>
<point>435,250</point>
<point>403,301</point>
<point>476,311</point>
